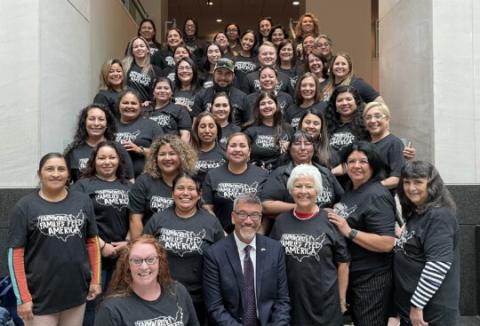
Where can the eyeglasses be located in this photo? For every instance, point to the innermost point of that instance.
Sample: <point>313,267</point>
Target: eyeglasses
<point>243,215</point>
<point>139,261</point>
<point>375,116</point>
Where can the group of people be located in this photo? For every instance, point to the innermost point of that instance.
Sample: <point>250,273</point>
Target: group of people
<point>246,181</point>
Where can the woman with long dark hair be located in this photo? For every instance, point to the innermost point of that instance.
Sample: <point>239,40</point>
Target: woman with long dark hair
<point>95,124</point>
<point>426,260</point>
<point>223,114</point>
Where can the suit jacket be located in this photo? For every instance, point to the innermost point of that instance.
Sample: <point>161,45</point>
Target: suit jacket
<point>223,283</point>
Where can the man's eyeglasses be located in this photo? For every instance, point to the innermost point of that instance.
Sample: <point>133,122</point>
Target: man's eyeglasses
<point>243,215</point>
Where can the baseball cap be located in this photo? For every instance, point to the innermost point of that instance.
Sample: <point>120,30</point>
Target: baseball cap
<point>225,63</point>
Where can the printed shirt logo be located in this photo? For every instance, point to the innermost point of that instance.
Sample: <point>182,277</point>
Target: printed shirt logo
<point>341,139</point>
<point>343,210</point>
<point>126,137</point>
<point>300,246</point>
<point>162,120</point>
<point>138,77</point>
<point>164,320</point>
<point>170,62</point>
<point>265,141</point>
<point>233,190</point>
<point>185,101</point>
<point>182,242</point>
<point>209,164</point>
<point>208,84</point>
<point>61,226</point>
<point>404,237</point>
<point>159,203</point>
<point>294,122</point>
<point>112,197</point>
<point>245,66</point>
<point>82,163</point>
<point>171,76</point>
<point>325,197</point>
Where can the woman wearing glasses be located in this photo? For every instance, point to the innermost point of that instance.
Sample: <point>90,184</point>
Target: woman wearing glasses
<point>315,250</point>
<point>142,291</point>
<point>186,231</point>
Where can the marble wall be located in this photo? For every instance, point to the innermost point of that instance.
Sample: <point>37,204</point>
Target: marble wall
<point>50,58</point>
<point>430,77</point>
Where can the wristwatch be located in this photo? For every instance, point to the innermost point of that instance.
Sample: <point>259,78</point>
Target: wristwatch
<point>353,233</point>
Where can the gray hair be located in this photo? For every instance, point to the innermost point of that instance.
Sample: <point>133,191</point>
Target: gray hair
<point>305,170</point>
<point>248,198</point>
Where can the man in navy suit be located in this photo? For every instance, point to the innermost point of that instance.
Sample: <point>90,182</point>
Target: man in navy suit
<point>246,286</point>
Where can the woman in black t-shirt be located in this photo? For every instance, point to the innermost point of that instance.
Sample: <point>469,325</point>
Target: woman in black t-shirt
<point>316,253</point>
<point>264,27</point>
<point>341,73</point>
<point>105,183</point>
<point>307,96</point>
<point>172,118</point>
<point>142,292</point>
<point>186,83</point>
<point>366,216</point>
<point>53,253</point>
<point>139,71</point>
<point>205,135</point>
<point>316,65</point>
<point>246,60</point>
<point>186,231</point>
<point>152,191</point>
<point>135,132</point>
<point>223,184</point>
<point>212,54</point>
<point>223,114</point>
<point>287,62</point>
<point>95,124</point>
<point>112,83</point>
<point>269,134</point>
<point>277,34</point>
<point>426,260</point>
<point>344,121</point>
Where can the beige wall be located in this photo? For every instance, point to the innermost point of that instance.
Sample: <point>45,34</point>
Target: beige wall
<point>348,23</point>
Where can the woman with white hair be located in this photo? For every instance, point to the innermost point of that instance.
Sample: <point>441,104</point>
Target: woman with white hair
<point>315,250</point>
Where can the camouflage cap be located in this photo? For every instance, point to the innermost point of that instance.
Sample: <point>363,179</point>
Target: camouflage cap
<point>225,63</point>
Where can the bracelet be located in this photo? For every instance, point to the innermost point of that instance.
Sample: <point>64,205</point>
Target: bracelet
<point>352,234</point>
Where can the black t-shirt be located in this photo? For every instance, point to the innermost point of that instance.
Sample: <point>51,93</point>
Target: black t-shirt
<point>294,112</point>
<point>246,64</point>
<point>149,195</point>
<point>209,160</point>
<point>275,188</point>
<point>342,136</point>
<point>292,73</point>
<point>390,149</point>
<point>284,101</point>
<point>428,237</point>
<point>141,82</point>
<point>221,187</point>
<point>367,92</point>
<point>173,307</point>
<point>163,58</point>
<point>109,98</point>
<point>172,118</point>
<point>168,72</point>
<point>110,202</point>
<point>54,236</point>
<point>313,248</point>
<point>185,240</point>
<point>226,132</point>
<point>370,208</point>
<point>141,132</point>
<point>77,161</point>
<point>265,145</point>
<point>283,82</point>
<point>203,102</point>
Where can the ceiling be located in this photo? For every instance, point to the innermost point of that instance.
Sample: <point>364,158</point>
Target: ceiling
<point>243,12</point>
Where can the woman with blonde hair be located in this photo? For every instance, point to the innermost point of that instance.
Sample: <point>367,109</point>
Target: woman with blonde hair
<point>142,290</point>
<point>152,191</point>
<point>341,73</point>
<point>140,73</point>
<point>112,83</point>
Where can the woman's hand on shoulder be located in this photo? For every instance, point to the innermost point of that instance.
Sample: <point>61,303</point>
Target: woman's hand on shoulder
<point>340,222</point>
